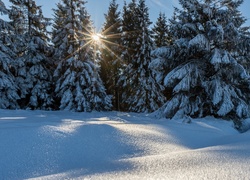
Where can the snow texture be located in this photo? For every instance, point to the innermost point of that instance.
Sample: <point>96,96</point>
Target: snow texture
<point>113,145</point>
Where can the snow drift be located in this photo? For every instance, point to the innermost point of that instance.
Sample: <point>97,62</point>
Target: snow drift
<point>113,145</point>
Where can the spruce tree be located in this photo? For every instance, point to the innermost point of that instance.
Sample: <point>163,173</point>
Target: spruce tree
<point>129,31</point>
<point>161,32</point>
<point>8,88</point>
<point>128,45</point>
<point>32,71</point>
<point>111,52</point>
<point>207,56</point>
<point>162,38</point>
<point>78,85</point>
<point>142,93</point>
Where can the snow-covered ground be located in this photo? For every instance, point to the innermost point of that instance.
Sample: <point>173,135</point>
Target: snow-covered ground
<point>114,145</point>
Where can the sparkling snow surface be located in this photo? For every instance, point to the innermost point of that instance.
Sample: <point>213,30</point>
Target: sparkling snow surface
<point>113,145</point>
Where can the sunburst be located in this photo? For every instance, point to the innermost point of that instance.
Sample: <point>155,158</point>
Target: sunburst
<point>96,37</point>
<point>96,41</point>
<point>100,41</point>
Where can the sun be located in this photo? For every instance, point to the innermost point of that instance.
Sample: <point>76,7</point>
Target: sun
<point>96,37</point>
<point>97,40</point>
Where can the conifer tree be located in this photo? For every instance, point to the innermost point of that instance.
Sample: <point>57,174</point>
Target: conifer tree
<point>78,85</point>
<point>8,88</point>
<point>142,93</point>
<point>208,77</point>
<point>162,38</point>
<point>129,31</point>
<point>32,64</point>
<point>111,52</point>
<point>128,45</point>
<point>161,32</point>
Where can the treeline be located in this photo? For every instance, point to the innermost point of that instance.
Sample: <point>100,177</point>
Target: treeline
<point>194,64</point>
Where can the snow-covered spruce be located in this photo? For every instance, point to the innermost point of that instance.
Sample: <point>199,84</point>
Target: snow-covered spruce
<point>161,35</point>
<point>8,88</point>
<point>111,52</point>
<point>208,60</point>
<point>32,64</point>
<point>80,89</point>
<point>78,85</point>
<point>141,92</point>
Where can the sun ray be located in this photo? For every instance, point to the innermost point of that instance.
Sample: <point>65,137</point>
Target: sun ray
<point>96,41</point>
<point>73,53</point>
<point>90,38</point>
<point>112,43</point>
<point>110,27</point>
<point>89,31</point>
<point>84,33</point>
<point>114,36</point>
<point>119,58</point>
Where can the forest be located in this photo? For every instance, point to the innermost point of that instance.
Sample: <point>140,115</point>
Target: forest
<point>194,64</point>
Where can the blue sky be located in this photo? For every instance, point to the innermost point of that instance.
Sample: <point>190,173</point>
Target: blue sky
<point>97,8</point>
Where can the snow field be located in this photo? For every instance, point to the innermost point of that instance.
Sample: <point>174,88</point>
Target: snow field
<point>113,145</point>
